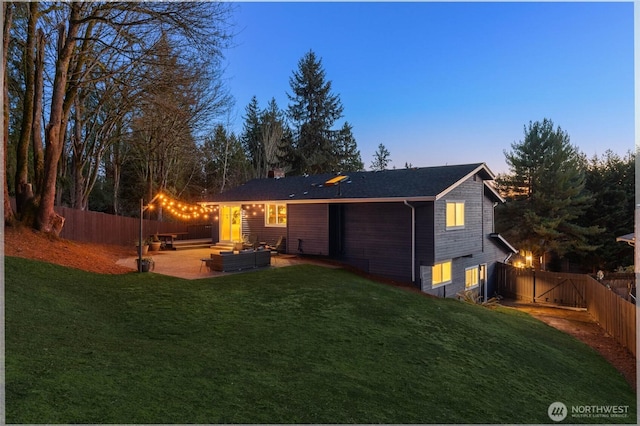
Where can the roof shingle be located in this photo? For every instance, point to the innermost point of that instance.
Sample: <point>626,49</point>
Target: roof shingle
<point>413,183</point>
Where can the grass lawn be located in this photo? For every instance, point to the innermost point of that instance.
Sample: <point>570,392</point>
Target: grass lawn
<point>302,344</point>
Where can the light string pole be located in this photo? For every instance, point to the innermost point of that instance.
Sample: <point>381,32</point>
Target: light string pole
<point>143,208</point>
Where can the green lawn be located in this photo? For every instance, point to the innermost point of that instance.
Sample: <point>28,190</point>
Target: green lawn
<point>303,344</point>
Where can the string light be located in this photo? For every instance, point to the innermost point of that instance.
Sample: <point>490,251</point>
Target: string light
<point>182,210</point>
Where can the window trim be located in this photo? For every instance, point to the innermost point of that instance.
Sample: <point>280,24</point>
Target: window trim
<point>455,203</point>
<point>266,215</point>
<point>445,282</point>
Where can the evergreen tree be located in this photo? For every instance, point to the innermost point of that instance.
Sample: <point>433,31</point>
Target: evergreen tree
<point>546,196</point>
<point>313,112</point>
<point>611,180</point>
<point>272,132</point>
<point>347,155</point>
<point>380,158</point>
<point>251,138</point>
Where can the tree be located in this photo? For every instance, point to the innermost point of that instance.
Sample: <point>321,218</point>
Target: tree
<point>264,137</point>
<point>313,112</point>
<point>96,40</point>
<point>7,9</point>
<point>380,158</point>
<point>347,156</point>
<point>272,134</point>
<point>223,161</point>
<point>251,138</point>
<point>545,192</point>
<point>611,180</point>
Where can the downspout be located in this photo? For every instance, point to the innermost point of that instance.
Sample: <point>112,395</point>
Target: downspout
<point>413,241</point>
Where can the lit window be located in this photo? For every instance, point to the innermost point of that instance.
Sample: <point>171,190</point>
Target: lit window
<point>455,214</point>
<point>471,277</point>
<point>441,273</point>
<point>276,215</point>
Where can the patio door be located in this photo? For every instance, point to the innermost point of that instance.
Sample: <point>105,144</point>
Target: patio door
<point>483,282</point>
<point>230,223</point>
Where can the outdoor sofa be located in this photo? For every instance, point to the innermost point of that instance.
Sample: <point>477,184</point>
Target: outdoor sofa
<point>228,261</point>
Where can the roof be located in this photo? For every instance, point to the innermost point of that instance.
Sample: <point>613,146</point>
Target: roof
<point>412,184</point>
<point>627,238</point>
<point>500,239</point>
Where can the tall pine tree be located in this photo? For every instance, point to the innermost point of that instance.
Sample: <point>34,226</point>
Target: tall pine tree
<point>251,138</point>
<point>313,112</point>
<point>546,195</point>
<point>347,155</point>
<point>611,180</point>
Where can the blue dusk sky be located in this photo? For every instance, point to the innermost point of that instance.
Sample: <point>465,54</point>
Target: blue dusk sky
<point>448,83</point>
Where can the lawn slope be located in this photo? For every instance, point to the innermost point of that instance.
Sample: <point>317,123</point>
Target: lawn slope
<point>302,344</point>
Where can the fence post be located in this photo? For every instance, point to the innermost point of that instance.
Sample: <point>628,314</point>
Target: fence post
<point>533,296</point>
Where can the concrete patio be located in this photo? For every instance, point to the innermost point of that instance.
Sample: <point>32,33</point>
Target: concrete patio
<point>187,264</point>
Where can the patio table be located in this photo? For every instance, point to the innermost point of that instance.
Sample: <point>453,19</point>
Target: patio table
<point>167,238</point>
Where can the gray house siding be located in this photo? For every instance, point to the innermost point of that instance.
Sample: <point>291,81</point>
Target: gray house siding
<point>367,224</point>
<point>377,238</point>
<point>253,223</point>
<point>308,229</point>
<point>450,244</point>
<point>468,247</point>
<point>425,243</point>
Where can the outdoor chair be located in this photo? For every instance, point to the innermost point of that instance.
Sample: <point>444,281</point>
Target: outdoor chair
<point>250,241</point>
<point>279,247</point>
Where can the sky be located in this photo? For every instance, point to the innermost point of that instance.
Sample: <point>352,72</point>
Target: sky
<point>447,83</point>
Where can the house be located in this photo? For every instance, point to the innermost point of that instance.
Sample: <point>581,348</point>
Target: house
<point>432,226</point>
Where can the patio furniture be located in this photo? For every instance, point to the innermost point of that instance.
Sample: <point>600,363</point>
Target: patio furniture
<point>167,238</point>
<point>263,258</point>
<point>245,259</point>
<point>250,241</point>
<point>280,246</point>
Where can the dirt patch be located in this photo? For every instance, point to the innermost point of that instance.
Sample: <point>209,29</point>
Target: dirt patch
<point>579,324</point>
<point>30,244</point>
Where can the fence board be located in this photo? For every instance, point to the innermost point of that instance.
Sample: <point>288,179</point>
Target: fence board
<point>614,314</point>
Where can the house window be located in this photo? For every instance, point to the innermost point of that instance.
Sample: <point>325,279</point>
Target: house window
<point>441,273</point>
<point>471,277</point>
<point>276,215</point>
<point>455,214</point>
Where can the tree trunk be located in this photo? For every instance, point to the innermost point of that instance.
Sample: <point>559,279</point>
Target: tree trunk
<point>116,164</point>
<point>47,220</point>
<point>78,181</point>
<point>24,191</point>
<point>36,132</point>
<point>7,9</point>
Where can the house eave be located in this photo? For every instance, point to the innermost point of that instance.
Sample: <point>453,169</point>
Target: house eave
<point>488,175</point>
<point>504,242</point>
<point>627,238</point>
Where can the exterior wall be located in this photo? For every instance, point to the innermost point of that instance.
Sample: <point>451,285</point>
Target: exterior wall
<point>377,238</point>
<point>308,229</point>
<point>425,248</point>
<point>450,244</point>
<point>468,247</point>
<point>253,224</point>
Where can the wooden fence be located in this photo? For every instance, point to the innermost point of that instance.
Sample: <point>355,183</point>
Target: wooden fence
<point>614,314</point>
<point>542,287</point>
<point>104,228</point>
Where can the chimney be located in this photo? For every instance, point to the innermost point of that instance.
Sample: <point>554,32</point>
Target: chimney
<point>275,174</point>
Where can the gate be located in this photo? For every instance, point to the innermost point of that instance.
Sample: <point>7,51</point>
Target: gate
<point>613,313</point>
<point>542,287</point>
